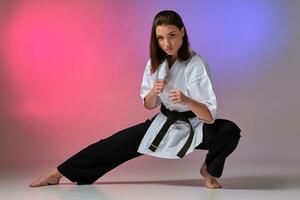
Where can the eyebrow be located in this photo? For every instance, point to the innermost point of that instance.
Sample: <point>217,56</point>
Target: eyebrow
<point>168,34</point>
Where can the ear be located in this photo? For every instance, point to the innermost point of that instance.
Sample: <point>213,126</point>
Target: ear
<point>182,31</point>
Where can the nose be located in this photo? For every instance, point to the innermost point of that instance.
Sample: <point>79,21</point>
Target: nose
<point>168,44</point>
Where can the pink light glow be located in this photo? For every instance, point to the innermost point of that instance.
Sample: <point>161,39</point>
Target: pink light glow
<point>51,60</point>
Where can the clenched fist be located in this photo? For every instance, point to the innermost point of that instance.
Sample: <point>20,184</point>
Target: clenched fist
<point>159,86</point>
<point>178,97</point>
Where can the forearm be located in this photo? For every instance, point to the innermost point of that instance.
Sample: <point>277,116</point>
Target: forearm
<point>150,100</point>
<point>200,110</point>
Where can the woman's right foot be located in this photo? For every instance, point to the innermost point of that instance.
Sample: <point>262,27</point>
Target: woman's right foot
<point>52,178</point>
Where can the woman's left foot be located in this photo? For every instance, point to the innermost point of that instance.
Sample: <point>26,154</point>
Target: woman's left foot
<point>210,181</point>
<point>52,178</point>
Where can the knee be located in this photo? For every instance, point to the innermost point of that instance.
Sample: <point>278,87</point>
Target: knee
<point>230,130</point>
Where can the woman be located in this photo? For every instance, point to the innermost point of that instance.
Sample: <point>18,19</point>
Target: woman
<point>178,79</point>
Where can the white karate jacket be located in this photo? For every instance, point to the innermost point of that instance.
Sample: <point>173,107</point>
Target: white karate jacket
<point>192,78</point>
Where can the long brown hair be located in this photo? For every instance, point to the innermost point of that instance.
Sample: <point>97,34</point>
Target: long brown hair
<point>157,55</point>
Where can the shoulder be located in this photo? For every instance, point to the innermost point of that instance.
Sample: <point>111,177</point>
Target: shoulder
<point>148,61</point>
<point>148,66</point>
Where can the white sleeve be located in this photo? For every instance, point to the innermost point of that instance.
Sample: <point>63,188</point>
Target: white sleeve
<point>199,86</point>
<point>148,83</point>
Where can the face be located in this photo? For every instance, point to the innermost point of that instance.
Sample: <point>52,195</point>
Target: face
<point>169,38</point>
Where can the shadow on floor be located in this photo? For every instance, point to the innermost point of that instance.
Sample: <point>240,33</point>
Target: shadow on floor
<point>247,182</point>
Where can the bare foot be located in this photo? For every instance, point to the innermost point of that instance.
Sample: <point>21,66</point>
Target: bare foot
<point>210,181</point>
<point>52,178</point>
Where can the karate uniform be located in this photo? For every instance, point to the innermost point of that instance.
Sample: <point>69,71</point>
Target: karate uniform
<point>219,138</point>
<point>192,78</point>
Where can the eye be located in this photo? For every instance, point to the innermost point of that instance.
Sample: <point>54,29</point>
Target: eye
<point>172,35</point>
<point>159,38</point>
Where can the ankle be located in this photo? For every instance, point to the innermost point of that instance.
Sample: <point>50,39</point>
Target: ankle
<point>56,174</point>
<point>208,175</point>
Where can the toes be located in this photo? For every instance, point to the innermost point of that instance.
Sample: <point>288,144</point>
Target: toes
<point>33,184</point>
<point>38,182</point>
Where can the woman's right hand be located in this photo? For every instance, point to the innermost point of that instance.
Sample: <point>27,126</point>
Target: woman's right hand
<point>159,86</point>
<point>152,98</point>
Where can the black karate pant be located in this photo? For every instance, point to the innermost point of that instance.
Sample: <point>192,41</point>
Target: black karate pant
<point>92,162</point>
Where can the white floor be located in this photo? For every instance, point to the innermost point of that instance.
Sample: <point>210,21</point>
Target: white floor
<point>260,181</point>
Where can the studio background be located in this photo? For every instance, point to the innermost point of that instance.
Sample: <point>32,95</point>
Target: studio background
<point>70,75</point>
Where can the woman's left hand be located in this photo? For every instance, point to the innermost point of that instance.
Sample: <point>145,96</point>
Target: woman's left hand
<point>178,97</point>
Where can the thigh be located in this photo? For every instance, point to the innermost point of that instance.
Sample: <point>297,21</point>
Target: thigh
<point>217,131</point>
<point>116,148</point>
<point>129,137</point>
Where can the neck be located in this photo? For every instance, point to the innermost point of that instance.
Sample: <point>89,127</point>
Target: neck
<point>174,57</point>
<point>171,61</point>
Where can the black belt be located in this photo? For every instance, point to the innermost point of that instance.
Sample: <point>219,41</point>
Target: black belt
<point>172,117</point>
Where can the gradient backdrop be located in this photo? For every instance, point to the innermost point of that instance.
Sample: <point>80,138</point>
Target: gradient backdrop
<point>70,74</point>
